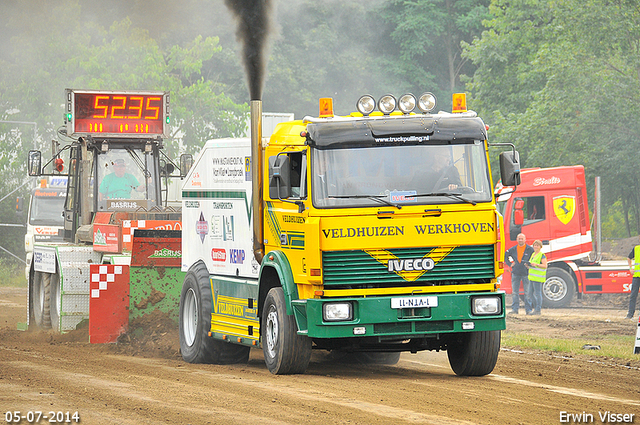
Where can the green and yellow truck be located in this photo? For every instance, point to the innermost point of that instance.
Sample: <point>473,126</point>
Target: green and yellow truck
<point>368,234</point>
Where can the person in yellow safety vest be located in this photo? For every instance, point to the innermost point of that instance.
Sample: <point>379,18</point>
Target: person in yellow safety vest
<point>635,282</point>
<point>537,275</point>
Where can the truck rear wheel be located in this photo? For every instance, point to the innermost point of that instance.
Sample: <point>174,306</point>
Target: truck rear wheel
<point>195,323</point>
<point>55,291</point>
<point>474,353</point>
<point>559,288</point>
<point>285,352</point>
<point>41,300</point>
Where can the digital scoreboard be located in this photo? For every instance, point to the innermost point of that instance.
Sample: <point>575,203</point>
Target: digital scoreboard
<point>117,114</point>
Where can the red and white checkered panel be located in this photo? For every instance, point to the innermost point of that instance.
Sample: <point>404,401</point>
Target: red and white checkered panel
<point>128,227</point>
<point>108,302</point>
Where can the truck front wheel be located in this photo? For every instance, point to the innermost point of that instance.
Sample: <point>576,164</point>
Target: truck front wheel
<point>40,303</point>
<point>559,288</point>
<point>474,353</point>
<point>195,322</point>
<point>285,352</point>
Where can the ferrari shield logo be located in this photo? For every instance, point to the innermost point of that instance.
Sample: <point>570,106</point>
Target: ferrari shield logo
<point>564,207</point>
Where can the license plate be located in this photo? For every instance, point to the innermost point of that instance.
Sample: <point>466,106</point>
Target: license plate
<point>414,302</point>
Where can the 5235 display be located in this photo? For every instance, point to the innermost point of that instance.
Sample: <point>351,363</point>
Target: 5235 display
<point>108,113</point>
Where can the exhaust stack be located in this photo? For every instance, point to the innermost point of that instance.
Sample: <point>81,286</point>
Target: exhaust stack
<point>256,179</point>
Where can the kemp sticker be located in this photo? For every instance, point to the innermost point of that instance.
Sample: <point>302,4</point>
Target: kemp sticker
<point>564,207</point>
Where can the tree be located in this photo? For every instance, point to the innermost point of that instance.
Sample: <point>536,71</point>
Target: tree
<point>77,53</point>
<point>561,91</point>
<point>427,34</point>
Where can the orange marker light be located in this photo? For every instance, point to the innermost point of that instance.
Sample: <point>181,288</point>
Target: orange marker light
<point>459,103</point>
<point>326,107</point>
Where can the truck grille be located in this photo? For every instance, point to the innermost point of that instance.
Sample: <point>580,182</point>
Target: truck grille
<point>369,269</point>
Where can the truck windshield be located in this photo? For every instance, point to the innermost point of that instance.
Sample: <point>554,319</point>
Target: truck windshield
<point>400,175</point>
<point>126,174</point>
<point>47,208</point>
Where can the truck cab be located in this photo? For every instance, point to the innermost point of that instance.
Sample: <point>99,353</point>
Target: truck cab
<point>551,205</point>
<point>368,234</point>
<point>45,221</point>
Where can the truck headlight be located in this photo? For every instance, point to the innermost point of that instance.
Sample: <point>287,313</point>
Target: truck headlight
<point>366,104</point>
<point>387,104</point>
<point>427,102</point>
<point>483,306</point>
<point>335,312</point>
<point>407,103</point>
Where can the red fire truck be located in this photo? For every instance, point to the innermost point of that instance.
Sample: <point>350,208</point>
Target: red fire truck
<point>551,205</point>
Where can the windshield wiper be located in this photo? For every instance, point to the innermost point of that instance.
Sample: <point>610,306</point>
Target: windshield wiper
<point>455,195</point>
<point>379,198</point>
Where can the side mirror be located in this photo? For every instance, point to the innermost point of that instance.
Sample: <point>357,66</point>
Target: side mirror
<point>34,163</point>
<point>279,177</point>
<point>186,162</point>
<point>166,169</point>
<point>518,217</point>
<point>510,168</point>
<point>518,213</point>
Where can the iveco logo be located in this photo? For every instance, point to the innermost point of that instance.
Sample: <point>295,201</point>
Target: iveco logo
<point>417,264</point>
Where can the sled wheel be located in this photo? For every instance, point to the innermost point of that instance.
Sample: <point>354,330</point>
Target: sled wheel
<point>55,304</point>
<point>41,300</point>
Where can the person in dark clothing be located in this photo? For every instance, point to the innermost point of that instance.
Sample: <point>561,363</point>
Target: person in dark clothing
<point>440,176</point>
<point>517,257</point>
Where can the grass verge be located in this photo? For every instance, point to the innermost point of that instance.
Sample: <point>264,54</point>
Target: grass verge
<point>611,346</point>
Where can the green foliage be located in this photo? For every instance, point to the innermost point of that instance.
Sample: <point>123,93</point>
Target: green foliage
<point>561,91</point>
<point>427,37</point>
<point>558,78</point>
<point>13,272</point>
<point>327,49</point>
<point>75,52</point>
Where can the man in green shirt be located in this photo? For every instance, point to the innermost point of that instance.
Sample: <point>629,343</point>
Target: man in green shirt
<point>119,184</point>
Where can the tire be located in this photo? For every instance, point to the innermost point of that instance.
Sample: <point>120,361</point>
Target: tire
<point>474,353</point>
<point>55,290</point>
<point>195,323</point>
<point>559,288</point>
<point>40,303</point>
<point>285,352</point>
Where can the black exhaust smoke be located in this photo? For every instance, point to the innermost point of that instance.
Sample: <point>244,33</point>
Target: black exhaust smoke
<point>254,21</point>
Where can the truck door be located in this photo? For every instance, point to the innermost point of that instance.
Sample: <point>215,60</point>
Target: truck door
<point>569,227</point>
<point>72,204</point>
<point>533,211</point>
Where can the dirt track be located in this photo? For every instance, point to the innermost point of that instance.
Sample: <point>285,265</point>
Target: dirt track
<point>143,381</point>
